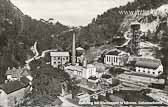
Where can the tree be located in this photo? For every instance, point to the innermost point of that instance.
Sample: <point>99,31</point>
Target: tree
<point>47,80</point>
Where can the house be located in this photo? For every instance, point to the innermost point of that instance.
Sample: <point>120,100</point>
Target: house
<point>59,58</point>
<point>13,74</point>
<point>148,66</point>
<point>12,93</point>
<point>116,57</point>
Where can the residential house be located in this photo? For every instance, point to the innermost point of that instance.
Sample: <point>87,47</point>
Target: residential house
<point>116,57</point>
<point>17,73</point>
<point>12,93</point>
<point>148,66</point>
<point>59,58</point>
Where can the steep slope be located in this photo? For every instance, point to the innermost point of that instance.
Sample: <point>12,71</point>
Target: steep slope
<point>18,32</point>
<point>106,27</point>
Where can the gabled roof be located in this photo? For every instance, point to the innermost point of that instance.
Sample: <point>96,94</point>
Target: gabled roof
<point>148,63</point>
<point>14,85</point>
<point>59,53</point>
<point>80,49</point>
<point>115,52</point>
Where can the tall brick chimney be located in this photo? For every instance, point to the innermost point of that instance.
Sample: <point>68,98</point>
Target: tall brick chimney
<point>73,50</point>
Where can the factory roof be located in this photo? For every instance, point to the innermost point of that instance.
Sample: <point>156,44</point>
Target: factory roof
<point>59,53</point>
<point>148,63</point>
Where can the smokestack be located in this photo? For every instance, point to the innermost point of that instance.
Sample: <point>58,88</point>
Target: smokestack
<point>73,50</point>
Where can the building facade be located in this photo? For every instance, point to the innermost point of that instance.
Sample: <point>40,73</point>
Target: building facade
<point>116,57</point>
<point>83,72</point>
<point>59,58</point>
<point>151,67</point>
<point>90,71</point>
<point>13,74</point>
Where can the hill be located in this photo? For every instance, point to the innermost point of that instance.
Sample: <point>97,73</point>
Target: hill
<point>18,32</point>
<point>106,27</point>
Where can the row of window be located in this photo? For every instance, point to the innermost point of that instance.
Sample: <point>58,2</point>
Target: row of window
<point>112,59</point>
<point>149,72</point>
<point>60,58</point>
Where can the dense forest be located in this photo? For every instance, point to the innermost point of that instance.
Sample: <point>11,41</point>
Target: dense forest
<point>18,32</point>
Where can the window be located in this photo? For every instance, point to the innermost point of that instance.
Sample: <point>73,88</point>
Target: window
<point>112,59</point>
<point>59,58</point>
<point>55,58</point>
<point>116,59</point>
<point>63,58</point>
<point>159,72</point>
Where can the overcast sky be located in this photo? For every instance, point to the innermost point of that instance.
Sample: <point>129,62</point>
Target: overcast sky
<point>68,12</point>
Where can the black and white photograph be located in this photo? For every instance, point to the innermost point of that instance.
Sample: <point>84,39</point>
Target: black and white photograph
<point>83,53</point>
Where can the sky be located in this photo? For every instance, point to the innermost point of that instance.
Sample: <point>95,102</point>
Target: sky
<point>68,12</point>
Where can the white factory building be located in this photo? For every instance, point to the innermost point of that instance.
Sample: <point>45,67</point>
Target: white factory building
<point>59,58</point>
<point>149,66</point>
<point>83,72</point>
<point>116,57</point>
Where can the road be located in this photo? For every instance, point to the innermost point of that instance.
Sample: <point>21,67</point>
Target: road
<point>37,56</point>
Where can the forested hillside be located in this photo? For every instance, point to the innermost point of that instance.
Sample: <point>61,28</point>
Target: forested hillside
<point>18,32</point>
<point>104,28</point>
